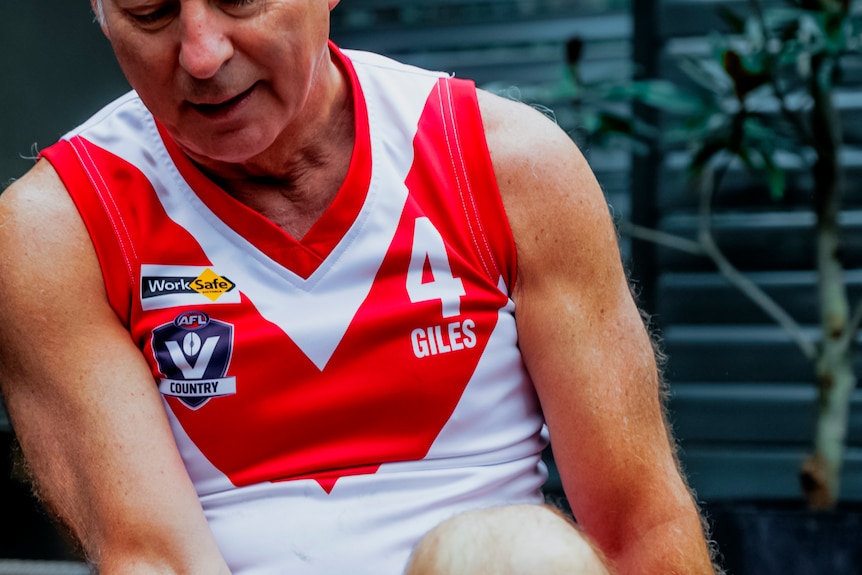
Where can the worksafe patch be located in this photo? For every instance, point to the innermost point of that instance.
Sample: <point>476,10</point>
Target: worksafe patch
<point>172,286</point>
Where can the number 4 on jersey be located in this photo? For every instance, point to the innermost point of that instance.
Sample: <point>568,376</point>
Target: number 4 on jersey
<point>428,246</point>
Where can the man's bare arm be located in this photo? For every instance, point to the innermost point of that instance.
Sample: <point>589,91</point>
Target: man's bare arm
<point>82,399</point>
<point>587,350</point>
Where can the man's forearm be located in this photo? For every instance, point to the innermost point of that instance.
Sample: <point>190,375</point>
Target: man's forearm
<point>674,548</point>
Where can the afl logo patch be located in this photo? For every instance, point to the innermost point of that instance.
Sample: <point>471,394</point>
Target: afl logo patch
<point>192,320</point>
<point>193,352</point>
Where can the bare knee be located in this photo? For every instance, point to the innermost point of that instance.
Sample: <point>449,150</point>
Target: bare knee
<point>510,540</point>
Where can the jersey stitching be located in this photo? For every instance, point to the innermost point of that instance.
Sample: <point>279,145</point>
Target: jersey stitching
<point>460,166</point>
<point>123,237</point>
<point>119,217</point>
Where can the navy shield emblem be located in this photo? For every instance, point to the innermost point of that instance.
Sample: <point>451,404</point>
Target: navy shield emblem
<point>193,352</point>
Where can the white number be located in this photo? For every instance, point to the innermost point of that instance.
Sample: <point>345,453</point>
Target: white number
<point>428,246</point>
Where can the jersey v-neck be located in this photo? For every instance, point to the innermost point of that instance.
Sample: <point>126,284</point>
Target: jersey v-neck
<point>301,256</point>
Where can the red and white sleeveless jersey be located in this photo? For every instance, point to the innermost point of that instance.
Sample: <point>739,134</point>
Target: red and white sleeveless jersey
<point>337,396</point>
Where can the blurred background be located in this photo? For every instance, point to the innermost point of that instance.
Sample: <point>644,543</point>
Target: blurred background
<point>743,393</point>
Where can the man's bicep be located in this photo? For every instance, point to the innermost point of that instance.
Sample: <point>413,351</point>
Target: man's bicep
<point>594,370</point>
<point>580,332</point>
<point>80,395</point>
<point>586,348</point>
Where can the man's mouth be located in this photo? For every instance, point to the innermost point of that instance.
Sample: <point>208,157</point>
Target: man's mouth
<point>223,108</point>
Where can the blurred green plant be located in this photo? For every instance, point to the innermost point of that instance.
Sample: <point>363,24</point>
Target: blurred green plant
<point>766,89</point>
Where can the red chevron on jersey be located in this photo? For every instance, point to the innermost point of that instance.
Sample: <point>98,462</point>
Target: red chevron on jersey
<point>378,351</point>
<point>358,410</point>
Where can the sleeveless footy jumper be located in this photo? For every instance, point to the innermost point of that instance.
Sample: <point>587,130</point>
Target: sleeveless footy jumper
<point>333,397</point>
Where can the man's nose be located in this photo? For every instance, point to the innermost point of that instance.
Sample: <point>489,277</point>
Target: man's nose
<point>204,43</point>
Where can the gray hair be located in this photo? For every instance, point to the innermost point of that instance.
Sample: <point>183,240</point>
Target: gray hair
<point>100,12</point>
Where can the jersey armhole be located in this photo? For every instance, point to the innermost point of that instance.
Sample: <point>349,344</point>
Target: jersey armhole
<point>78,174</point>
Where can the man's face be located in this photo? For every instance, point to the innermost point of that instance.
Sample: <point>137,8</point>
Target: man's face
<point>225,78</point>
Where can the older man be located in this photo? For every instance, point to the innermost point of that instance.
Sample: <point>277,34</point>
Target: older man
<point>286,309</point>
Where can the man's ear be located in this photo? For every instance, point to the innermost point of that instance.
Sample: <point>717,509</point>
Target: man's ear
<point>333,4</point>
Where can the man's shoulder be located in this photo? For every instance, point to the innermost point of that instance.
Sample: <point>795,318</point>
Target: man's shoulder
<point>40,231</point>
<point>517,127</point>
<point>37,199</point>
<point>526,145</point>
<point>544,180</point>
<point>34,187</point>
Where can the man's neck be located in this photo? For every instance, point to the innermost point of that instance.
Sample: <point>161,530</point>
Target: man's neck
<point>295,180</point>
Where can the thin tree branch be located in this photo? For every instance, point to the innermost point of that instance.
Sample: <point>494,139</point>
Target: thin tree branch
<point>852,329</point>
<point>707,182</point>
<point>661,238</point>
<point>759,297</point>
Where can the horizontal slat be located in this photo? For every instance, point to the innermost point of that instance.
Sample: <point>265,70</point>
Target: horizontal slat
<point>522,6</point>
<point>406,40</point>
<point>741,188</point>
<point>697,17</point>
<point>754,473</point>
<point>709,298</point>
<point>737,353</point>
<point>376,13</point>
<point>702,48</point>
<point>752,413</point>
<point>21,567</point>
<point>605,52</point>
<point>522,52</point>
<point>539,64</point>
<point>761,240</point>
<point>384,4</point>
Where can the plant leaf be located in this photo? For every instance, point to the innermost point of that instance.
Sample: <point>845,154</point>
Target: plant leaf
<point>776,178</point>
<point>704,153</point>
<point>667,96</point>
<point>734,22</point>
<point>745,79</point>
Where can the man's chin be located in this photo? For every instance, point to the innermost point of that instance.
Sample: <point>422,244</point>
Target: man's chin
<point>223,150</point>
